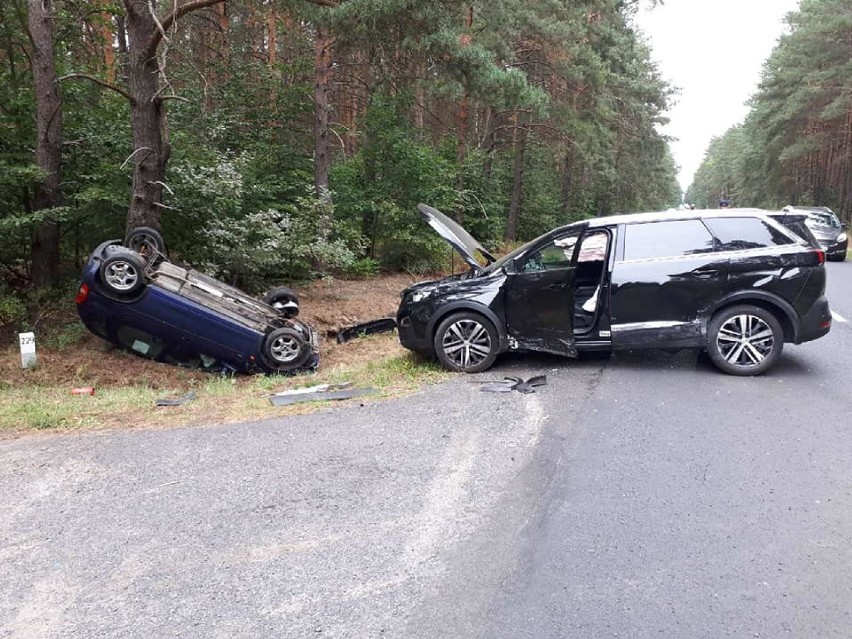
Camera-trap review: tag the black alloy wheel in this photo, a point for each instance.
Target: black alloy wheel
(466, 342)
(285, 350)
(744, 340)
(123, 272)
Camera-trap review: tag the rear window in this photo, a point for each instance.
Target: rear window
(666, 239)
(742, 233)
(825, 219)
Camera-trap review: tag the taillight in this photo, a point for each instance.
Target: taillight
(820, 255)
(82, 293)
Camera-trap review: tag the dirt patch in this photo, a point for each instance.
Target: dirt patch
(327, 305)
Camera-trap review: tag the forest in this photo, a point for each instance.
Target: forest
(795, 145)
(276, 140)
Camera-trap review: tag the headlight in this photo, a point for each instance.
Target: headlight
(420, 295)
(841, 238)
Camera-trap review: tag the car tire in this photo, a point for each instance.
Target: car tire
(744, 340)
(284, 300)
(466, 342)
(123, 272)
(285, 350)
(146, 241)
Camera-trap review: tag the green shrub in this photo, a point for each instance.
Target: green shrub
(13, 311)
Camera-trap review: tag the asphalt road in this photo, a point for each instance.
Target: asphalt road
(647, 495)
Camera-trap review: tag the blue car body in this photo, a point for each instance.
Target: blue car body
(182, 316)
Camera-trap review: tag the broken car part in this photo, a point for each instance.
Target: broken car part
(382, 325)
(319, 388)
(176, 401)
(510, 384)
(321, 396)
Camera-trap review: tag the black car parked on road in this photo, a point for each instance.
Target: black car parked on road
(733, 282)
(827, 229)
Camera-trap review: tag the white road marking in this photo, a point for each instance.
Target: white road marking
(838, 318)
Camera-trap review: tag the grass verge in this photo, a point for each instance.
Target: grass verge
(391, 371)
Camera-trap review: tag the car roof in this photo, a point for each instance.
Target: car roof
(672, 215)
(809, 209)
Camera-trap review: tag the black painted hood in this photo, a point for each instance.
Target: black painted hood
(457, 236)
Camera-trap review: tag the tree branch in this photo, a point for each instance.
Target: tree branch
(179, 12)
(163, 98)
(106, 85)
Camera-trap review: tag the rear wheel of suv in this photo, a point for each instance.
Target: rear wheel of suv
(123, 272)
(284, 350)
(744, 340)
(466, 342)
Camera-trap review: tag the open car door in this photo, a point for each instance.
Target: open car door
(540, 296)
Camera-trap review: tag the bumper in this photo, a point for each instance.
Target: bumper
(837, 251)
(412, 336)
(816, 322)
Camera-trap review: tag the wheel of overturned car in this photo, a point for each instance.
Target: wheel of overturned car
(284, 299)
(285, 349)
(123, 272)
(146, 241)
(466, 342)
(744, 340)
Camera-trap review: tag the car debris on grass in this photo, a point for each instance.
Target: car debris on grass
(372, 327)
(319, 393)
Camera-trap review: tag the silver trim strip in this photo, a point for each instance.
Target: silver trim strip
(640, 326)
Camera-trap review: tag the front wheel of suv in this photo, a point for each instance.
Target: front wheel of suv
(466, 342)
(744, 340)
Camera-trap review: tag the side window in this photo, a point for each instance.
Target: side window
(140, 341)
(593, 248)
(666, 239)
(741, 233)
(554, 255)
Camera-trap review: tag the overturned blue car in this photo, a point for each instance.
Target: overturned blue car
(131, 295)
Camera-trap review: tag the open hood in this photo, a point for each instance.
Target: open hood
(458, 238)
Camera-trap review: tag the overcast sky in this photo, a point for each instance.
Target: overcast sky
(713, 51)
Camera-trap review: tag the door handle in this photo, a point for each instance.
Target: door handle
(707, 272)
(556, 287)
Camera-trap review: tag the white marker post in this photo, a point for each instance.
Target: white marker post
(28, 352)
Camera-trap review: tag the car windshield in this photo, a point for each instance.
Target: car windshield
(825, 219)
(506, 259)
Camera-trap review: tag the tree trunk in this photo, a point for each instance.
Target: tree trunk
(104, 28)
(45, 239)
(147, 119)
(517, 184)
(151, 148)
(322, 80)
(272, 37)
(567, 178)
(463, 118)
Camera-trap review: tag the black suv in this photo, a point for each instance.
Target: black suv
(733, 282)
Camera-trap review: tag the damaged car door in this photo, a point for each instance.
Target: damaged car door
(540, 297)
(666, 278)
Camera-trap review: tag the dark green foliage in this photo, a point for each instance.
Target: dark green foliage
(424, 109)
